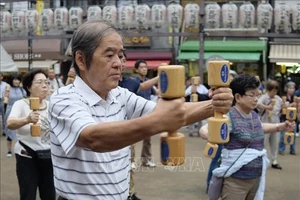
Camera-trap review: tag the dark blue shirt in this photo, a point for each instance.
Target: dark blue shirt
(130, 83)
(145, 93)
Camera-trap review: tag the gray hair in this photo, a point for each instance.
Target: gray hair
(289, 84)
(87, 39)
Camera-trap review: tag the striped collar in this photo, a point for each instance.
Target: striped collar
(91, 96)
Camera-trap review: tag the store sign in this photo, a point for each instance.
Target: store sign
(136, 42)
(35, 56)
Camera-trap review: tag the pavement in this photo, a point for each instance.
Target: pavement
(186, 182)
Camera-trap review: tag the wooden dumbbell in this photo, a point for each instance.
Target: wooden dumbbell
(195, 83)
(6, 95)
(34, 106)
(289, 136)
(283, 101)
(218, 126)
(171, 86)
(70, 80)
(273, 101)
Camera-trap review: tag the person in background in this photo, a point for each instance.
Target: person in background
(71, 76)
(141, 69)
(289, 89)
(134, 86)
(244, 160)
(264, 106)
(54, 82)
(15, 93)
(3, 86)
(202, 93)
(33, 156)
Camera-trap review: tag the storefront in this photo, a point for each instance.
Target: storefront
(45, 53)
(286, 59)
(246, 56)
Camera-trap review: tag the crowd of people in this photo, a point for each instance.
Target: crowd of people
(89, 126)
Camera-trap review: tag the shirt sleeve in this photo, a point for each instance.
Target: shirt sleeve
(137, 106)
(68, 116)
(16, 110)
(188, 91)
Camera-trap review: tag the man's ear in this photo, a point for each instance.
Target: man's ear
(80, 60)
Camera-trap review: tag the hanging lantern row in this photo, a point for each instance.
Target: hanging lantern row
(144, 17)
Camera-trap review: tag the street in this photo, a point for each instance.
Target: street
(186, 182)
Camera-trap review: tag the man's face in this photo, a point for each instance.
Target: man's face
(106, 66)
(142, 69)
(1, 77)
(51, 74)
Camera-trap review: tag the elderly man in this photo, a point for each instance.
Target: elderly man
(93, 121)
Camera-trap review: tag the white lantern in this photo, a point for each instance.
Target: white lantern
(47, 19)
(5, 21)
(31, 20)
(18, 21)
(125, 16)
(94, 12)
(296, 17)
(229, 15)
(158, 15)
(212, 15)
(191, 15)
(282, 18)
(175, 15)
(110, 14)
(142, 16)
(264, 16)
(61, 18)
(75, 17)
(247, 15)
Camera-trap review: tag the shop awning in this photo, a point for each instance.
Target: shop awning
(226, 45)
(43, 49)
(149, 55)
(152, 64)
(284, 53)
(35, 64)
(231, 56)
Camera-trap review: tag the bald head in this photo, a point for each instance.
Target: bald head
(87, 38)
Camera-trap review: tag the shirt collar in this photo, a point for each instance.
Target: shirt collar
(91, 96)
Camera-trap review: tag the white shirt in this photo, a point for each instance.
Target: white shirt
(21, 109)
(81, 173)
(266, 100)
(2, 89)
(201, 89)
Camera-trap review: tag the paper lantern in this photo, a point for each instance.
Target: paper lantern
(142, 16)
(229, 15)
(282, 18)
(158, 15)
(5, 21)
(191, 15)
(61, 18)
(175, 15)
(75, 17)
(110, 14)
(212, 15)
(94, 12)
(18, 21)
(296, 17)
(125, 16)
(47, 19)
(31, 20)
(264, 16)
(247, 15)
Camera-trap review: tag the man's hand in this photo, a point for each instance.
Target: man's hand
(221, 99)
(170, 113)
